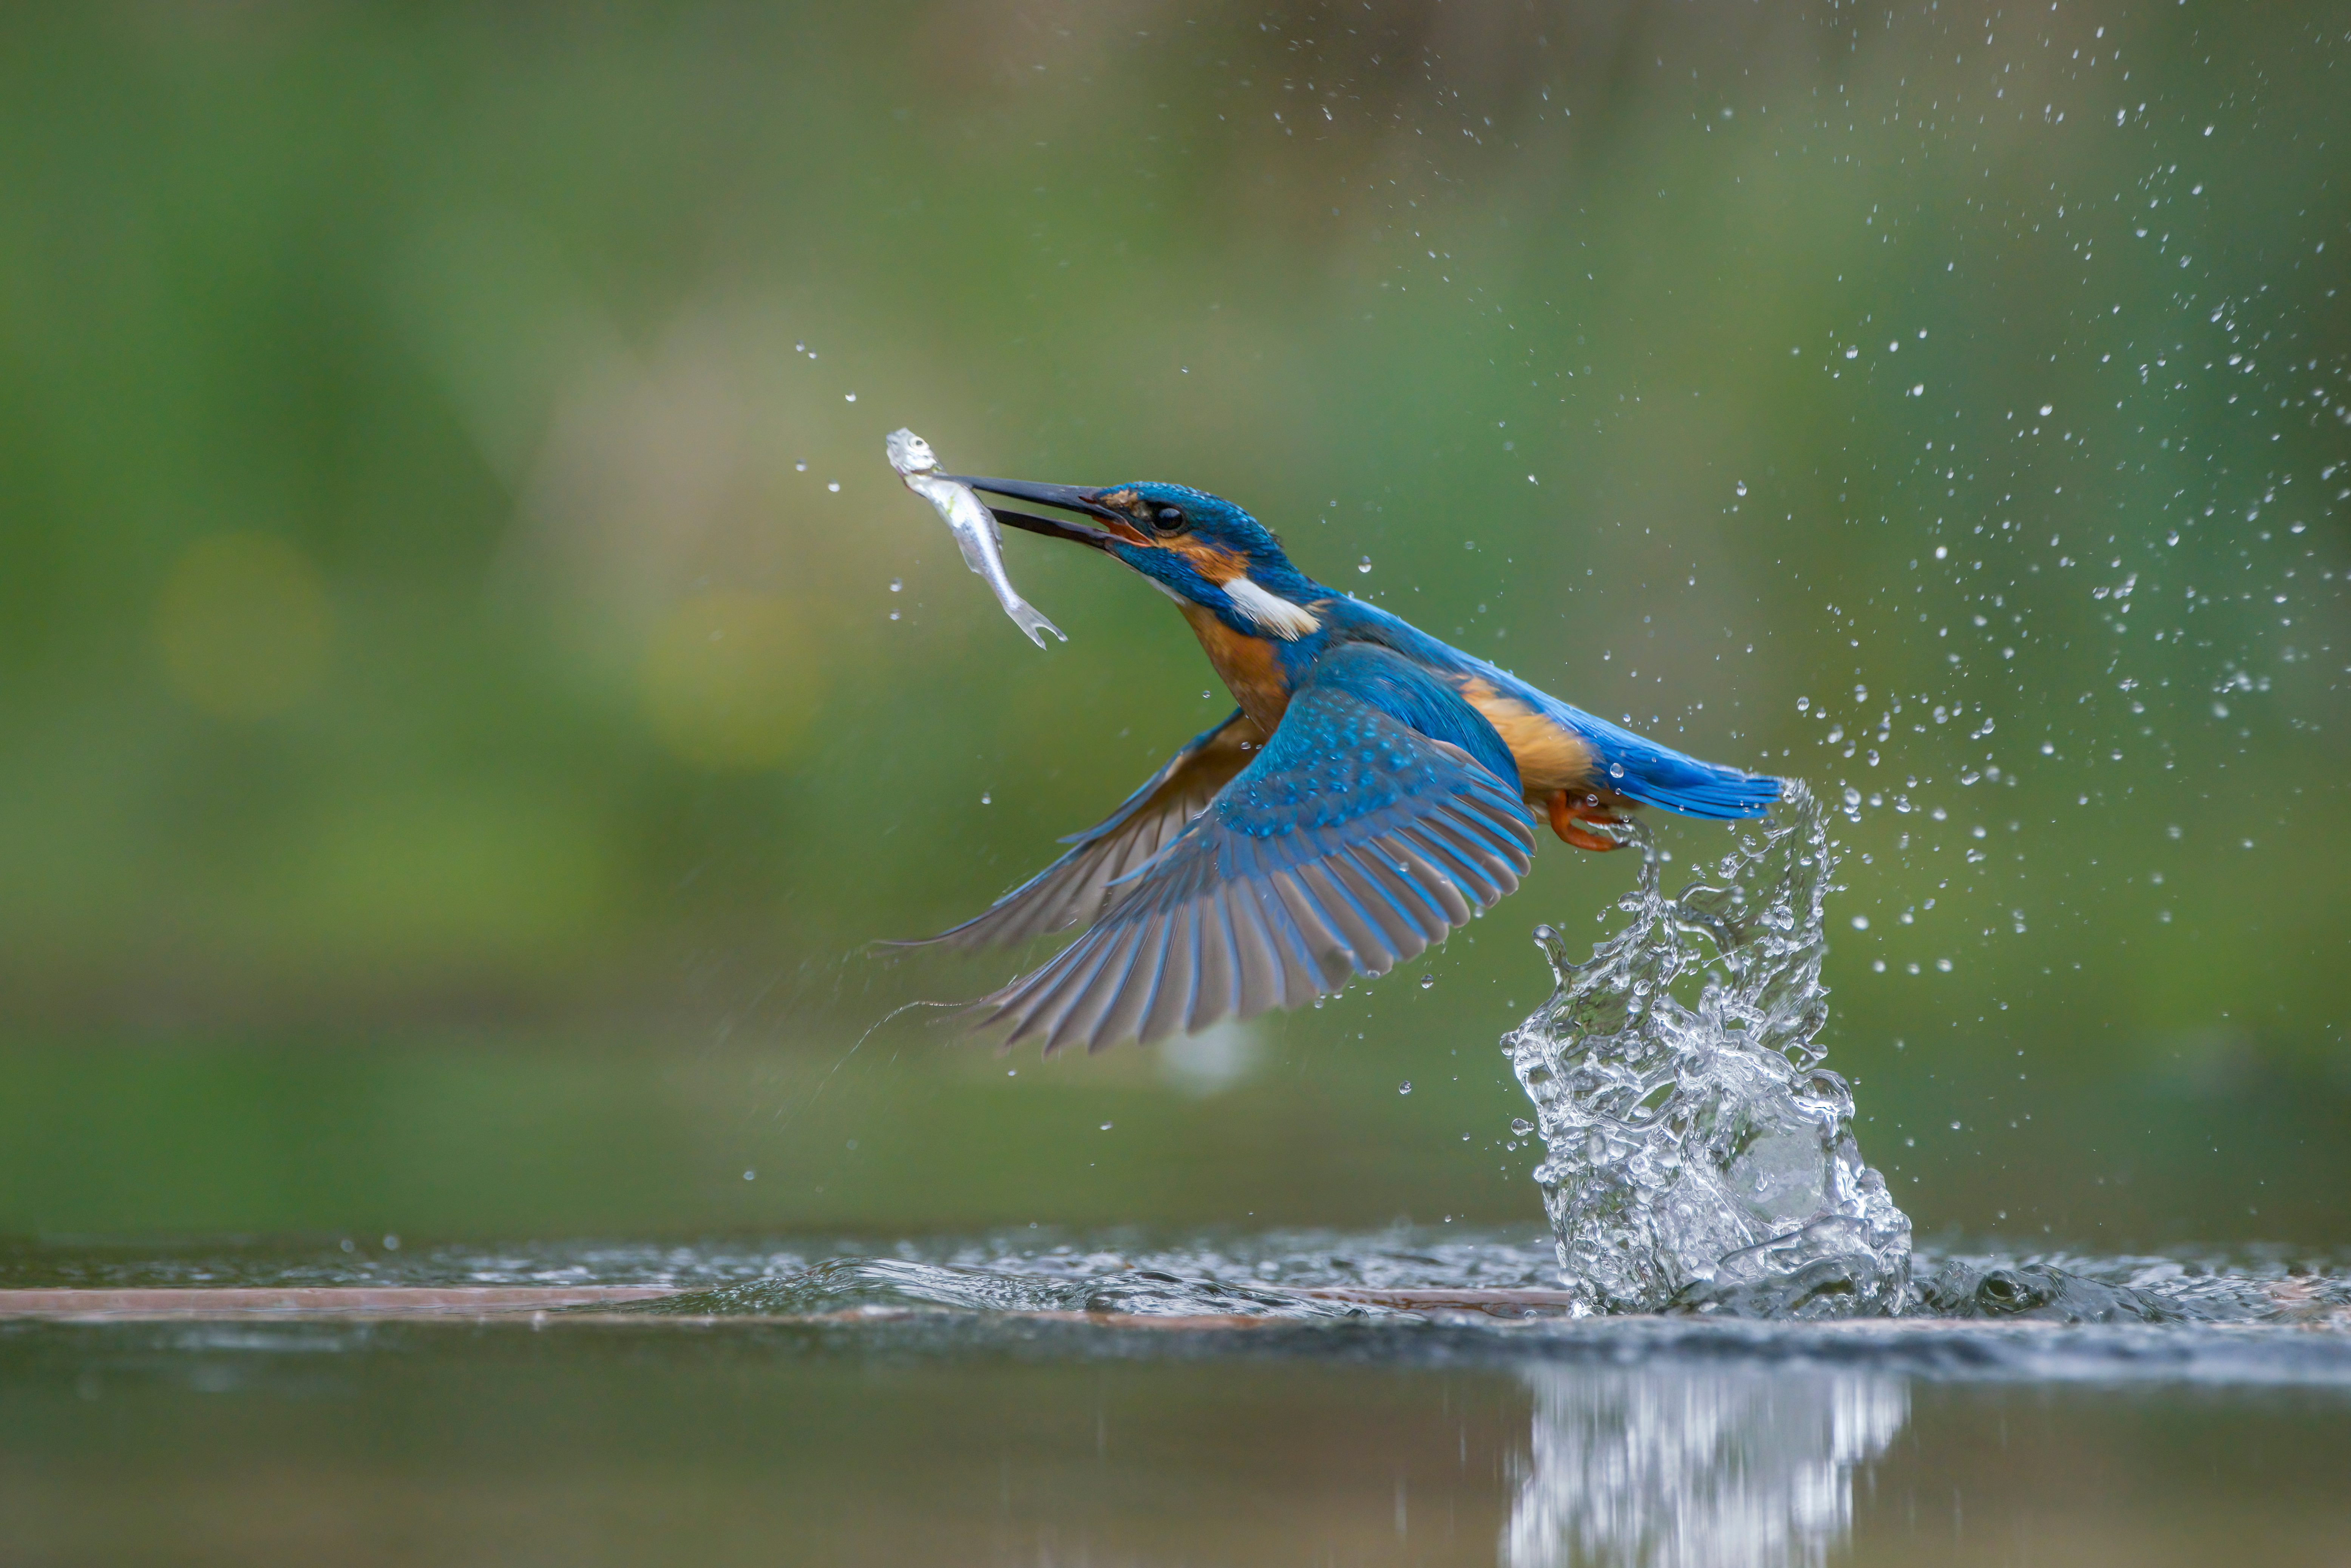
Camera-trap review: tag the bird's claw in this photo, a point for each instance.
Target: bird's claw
(1568, 809)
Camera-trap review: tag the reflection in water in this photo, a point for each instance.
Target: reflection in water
(1695, 1467)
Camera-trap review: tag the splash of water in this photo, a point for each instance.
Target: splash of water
(1699, 1155)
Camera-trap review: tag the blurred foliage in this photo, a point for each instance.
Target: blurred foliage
(450, 577)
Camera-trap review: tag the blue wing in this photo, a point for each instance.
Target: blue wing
(1074, 888)
(1346, 846)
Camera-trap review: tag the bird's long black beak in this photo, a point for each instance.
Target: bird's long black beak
(1071, 498)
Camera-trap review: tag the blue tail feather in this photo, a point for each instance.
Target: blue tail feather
(1641, 769)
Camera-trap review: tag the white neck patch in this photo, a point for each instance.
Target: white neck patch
(1271, 612)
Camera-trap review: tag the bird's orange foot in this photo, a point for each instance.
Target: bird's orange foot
(1568, 809)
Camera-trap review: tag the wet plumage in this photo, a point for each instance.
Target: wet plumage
(1373, 788)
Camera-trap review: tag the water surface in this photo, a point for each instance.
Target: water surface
(854, 1399)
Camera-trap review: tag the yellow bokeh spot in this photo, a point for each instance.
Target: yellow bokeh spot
(243, 625)
(731, 680)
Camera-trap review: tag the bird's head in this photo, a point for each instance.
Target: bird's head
(1198, 549)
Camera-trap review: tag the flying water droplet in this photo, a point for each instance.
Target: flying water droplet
(1520, 1127)
(895, 585)
(1364, 564)
(1426, 981)
(1405, 1087)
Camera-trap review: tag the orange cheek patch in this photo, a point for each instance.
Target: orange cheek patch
(1217, 564)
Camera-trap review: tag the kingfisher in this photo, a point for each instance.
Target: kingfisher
(1372, 788)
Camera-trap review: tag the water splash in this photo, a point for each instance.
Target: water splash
(1699, 1155)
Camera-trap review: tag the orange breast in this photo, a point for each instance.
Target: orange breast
(1247, 665)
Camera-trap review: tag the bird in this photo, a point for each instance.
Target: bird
(1372, 789)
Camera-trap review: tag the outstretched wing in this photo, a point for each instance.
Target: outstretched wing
(1071, 891)
(1349, 844)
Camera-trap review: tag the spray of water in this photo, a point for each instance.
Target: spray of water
(1699, 1156)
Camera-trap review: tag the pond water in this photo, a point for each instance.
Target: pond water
(846, 1399)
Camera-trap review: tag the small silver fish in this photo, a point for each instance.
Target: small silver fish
(974, 524)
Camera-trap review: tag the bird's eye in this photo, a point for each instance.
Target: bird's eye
(1170, 519)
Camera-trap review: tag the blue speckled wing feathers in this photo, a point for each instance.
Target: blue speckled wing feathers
(1348, 844)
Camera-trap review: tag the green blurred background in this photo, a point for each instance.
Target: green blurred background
(471, 690)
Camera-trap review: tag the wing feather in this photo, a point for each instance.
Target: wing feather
(1347, 845)
(1076, 888)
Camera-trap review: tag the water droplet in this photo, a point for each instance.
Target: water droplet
(1955, 1126)
(800, 466)
(895, 585)
(1426, 981)
(1944, 965)
(834, 486)
(1615, 770)
(1861, 923)
(750, 1176)
(1105, 1126)
(392, 1243)
(1522, 1126)
(1364, 564)
(2046, 408)
(1405, 1087)
(985, 799)
(852, 397)
(1740, 486)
